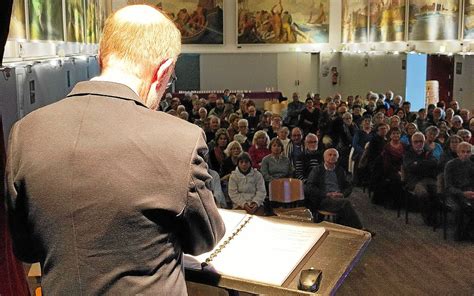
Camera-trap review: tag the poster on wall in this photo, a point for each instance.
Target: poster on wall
(17, 21)
(75, 20)
(282, 21)
(91, 21)
(354, 21)
(433, 20)
(46, 20)
(199, 21)
(102, 14)
(387, 20)
(469, 19)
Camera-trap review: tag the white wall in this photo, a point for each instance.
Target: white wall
(379, 73)
(250, 71)
(286, 72)
(463, 89)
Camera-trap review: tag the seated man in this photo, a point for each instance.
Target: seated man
(459, 183)
(326, 188)
(247, 187)
(310, 158)
(419, 170)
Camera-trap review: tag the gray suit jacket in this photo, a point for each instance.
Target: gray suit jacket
(107, 194)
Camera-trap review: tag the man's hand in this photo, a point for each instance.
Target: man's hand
(251, 208)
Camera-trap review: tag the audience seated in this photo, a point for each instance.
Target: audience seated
(374, 159)
(242, 136)
(410, 129)
(419, 172)
(459, 183)
(283, 133)
(214, 125)
(293, 112)
(295, 147)
(232, 153)
(233, 128)
(247, 187)
(436, 149)
(390, 187)
(361, 137)
(342, 132)
(259, 148)
(216, 154)
(310, 158)
(341, 125)
(275, 125)
(276, 165)
(327, 188)
(309, 116)
(216, 188)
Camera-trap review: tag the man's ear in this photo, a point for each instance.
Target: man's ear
(162, 73)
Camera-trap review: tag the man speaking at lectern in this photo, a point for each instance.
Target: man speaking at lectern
(105, 192)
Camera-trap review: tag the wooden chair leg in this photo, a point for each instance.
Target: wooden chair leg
(445, 221)
(406, 206)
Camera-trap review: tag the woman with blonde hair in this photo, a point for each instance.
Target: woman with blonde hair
(259, 148)
(233, 151)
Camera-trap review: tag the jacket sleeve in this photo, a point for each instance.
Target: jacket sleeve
(312, 191)
(265, 170)
(234, 194)
(25, 246)
(203, 226)
(261, 192)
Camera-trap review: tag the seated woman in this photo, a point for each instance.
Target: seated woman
(216, 154)
(431, 134)
(450, 151)
(392, 157)
(247, 187)
(259, 148)
(276, 165)
(410, 129)
(361, 137)
(233, 151)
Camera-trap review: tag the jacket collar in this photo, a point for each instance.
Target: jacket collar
(106, 89)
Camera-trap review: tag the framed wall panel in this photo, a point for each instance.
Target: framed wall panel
(17, 21)
(282, 21)
(433, 20)
(75, 20)
(46, 20)
(469, 19)
(200, 21)
(354, 21)
(387, 20)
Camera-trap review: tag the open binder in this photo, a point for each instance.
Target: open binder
(261, 249)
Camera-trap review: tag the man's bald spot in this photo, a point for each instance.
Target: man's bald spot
(139, 14)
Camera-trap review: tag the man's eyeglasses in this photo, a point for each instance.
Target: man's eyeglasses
(172, 80)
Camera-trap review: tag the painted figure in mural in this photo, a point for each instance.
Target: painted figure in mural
(277, 10)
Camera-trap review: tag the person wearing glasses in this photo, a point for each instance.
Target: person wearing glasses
(104, 191)
(419, 171)
(311, 157)
(242, 136)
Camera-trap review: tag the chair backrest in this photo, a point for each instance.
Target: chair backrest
(286, 190)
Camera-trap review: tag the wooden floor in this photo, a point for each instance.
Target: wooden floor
(408, 259)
